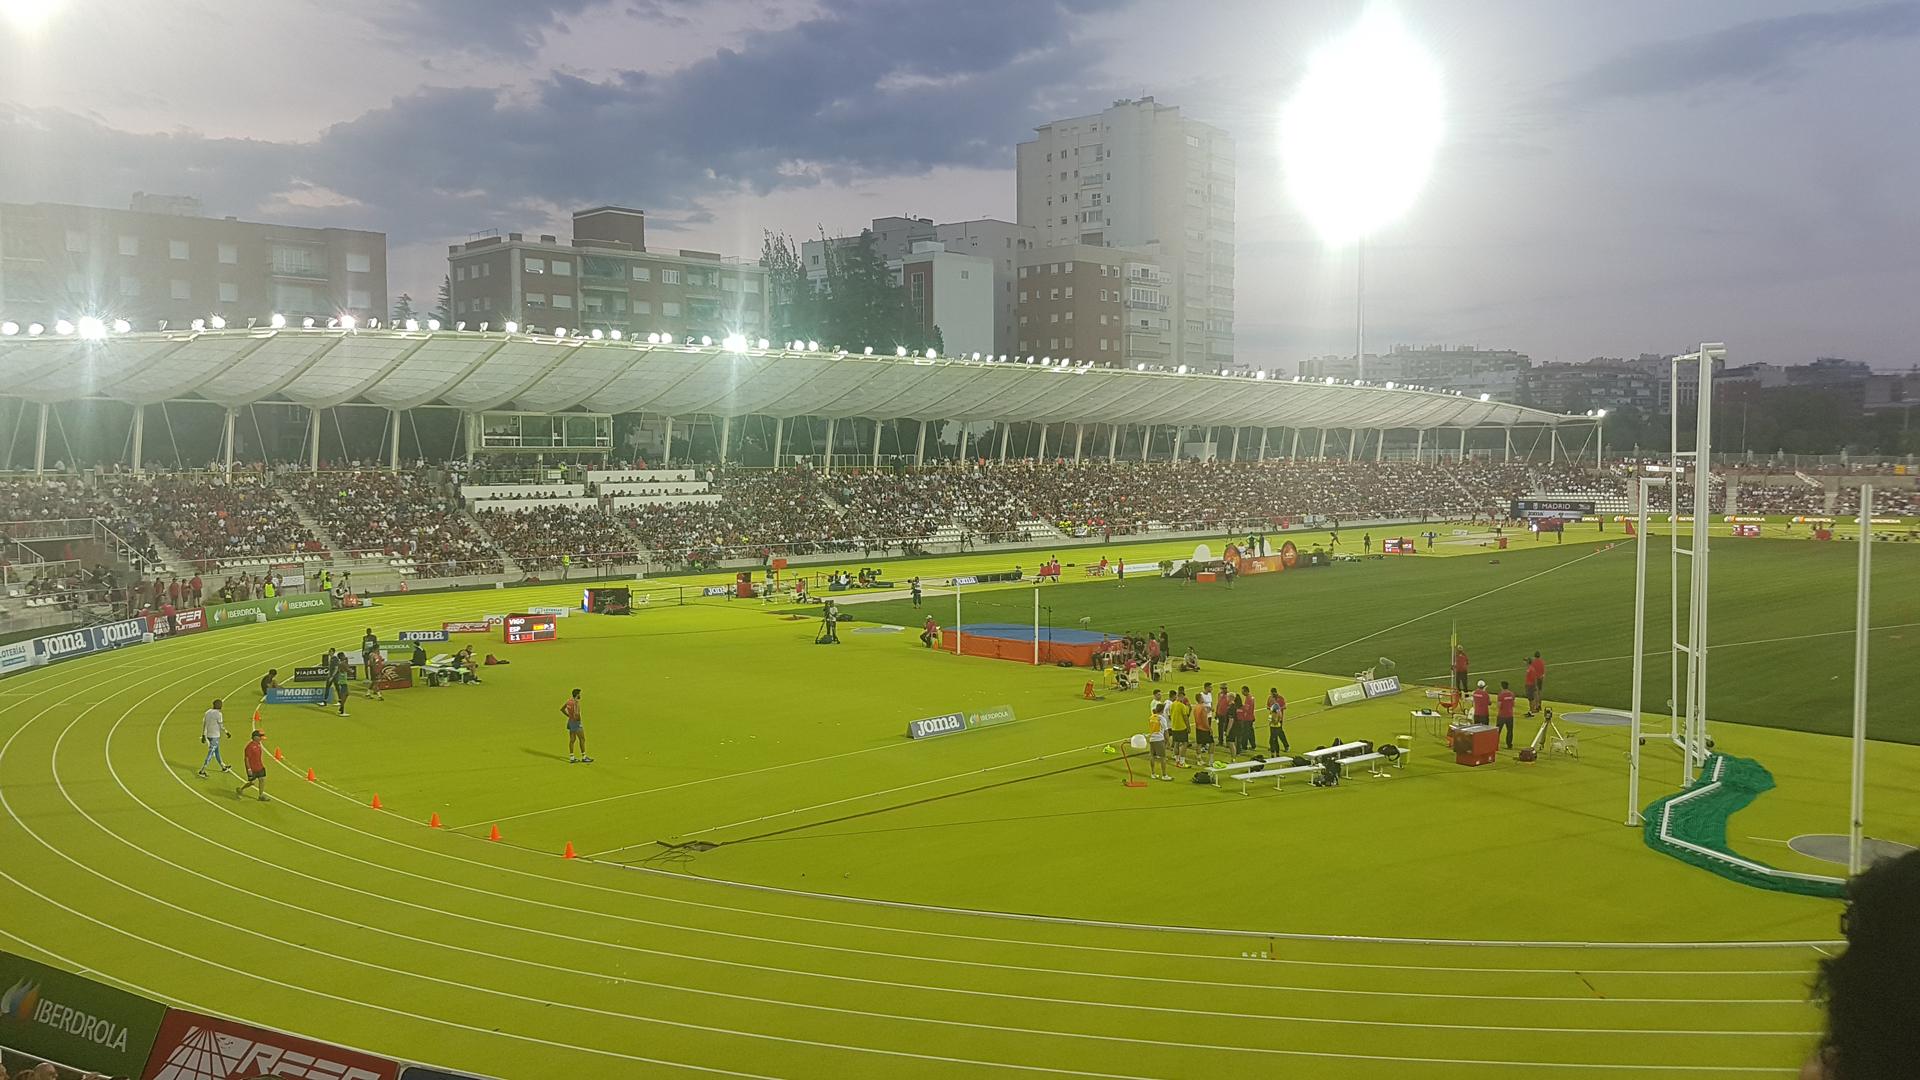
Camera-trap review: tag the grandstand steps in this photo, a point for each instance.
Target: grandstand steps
(314, 528)
(171, 562)
(513, 568)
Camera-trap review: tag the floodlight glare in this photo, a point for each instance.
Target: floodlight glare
(615, 335)
(705, 340)
(306, 323)
(1358, 138)
(900, 350)
(734, 343)
(762, 343)
(63, 328)
(278, 321)
(511, 327)
(348, 322)
(813, 346)
(9, 328)
(92, 329)
(122, 326)
(412, 325)
(1486, 397)
(35, 329)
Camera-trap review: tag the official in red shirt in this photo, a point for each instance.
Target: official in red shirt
(256, 767)
(1460, 669)
(1481, 702)
(1506, 712)
(1536, 683)
(195, 585)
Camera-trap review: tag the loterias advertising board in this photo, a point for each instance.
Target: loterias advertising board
(54, 1014)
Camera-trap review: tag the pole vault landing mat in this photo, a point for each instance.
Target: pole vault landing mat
(1012, 641)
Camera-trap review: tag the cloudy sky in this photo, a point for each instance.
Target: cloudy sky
(1616, 178)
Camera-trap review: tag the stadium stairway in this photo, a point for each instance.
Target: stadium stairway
(313, 527)
(506, 558)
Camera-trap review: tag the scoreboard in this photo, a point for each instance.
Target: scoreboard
(520, 629)
(1565, 509)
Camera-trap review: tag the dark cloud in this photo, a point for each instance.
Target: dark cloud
(503, 26)
(863, 88)
(1759, 52)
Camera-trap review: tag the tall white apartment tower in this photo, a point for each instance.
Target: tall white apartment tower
(1141, 174)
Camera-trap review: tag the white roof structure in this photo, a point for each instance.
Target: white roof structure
(399, 369)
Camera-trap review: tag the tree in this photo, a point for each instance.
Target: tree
(863, 306)
(444, 310)
(795, 305)
(403, 309)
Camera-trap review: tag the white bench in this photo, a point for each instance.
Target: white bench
(1279, 774)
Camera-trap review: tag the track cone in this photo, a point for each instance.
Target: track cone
(1088, 692)
(568, 854)
(376, 801)
(495, 834)
(256, 717)
(434, 821)
(309, 776)
(277, 756)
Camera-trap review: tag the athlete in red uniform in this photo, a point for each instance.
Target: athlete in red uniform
(1481, 701)
(1506, 712)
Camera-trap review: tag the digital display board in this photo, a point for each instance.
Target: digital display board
(520, 629)
(1567, 509)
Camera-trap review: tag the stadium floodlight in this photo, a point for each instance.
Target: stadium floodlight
(434, 325)
(9, 328)
(559, 332)
(616, 335)
(197, 325)
(1261, 374)
(1358, 138)
(63, 327)
(217, 322)
(1139, 367)
(1182, 369)
(511, 327)
(35, 329)
(812, 345)
(373, 324)
(348, 322)
(869, 351)
(734, 343)
(412, 325)
(306, 323)
(899, 350)
(1047, 360)
(932, 353)
(595, 334)
(122, 326)
(762, 343)
(1486, 397)
(705, 340)
(91, 328)
(277, 321)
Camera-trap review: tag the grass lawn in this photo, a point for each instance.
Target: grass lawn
(1185, 930)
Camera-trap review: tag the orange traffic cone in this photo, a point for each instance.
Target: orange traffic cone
(434, 821)
(495, 834)
(376, 801)
(309, 776)
(568, 854)
(256, 717)
(277, 756)
(1087, 693)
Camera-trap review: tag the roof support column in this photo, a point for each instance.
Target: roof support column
(1323, 444)
(1006, 433)
(920, 446)
(779, 436)
(1146, 440)
(666, 452)
(1113, 443)
(1042, 455)
(963, 442)
(1294, 454)
(40, 442)
(313, 441)
(877, 423)
(1380, 451)
(1420, 445)
(393, 451)
(726, 437)
(1509, 433)
(1236, 444)
(1079, 438)
(1553, 444)
(139, 436)
(232, 414)
(829, 458)
(1463, 444)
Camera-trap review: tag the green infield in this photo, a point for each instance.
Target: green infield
(774, 881)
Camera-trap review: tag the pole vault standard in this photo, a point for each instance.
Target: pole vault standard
(1641, 542)
(1863, 592)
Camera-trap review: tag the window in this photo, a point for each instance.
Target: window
(129, 245)
(1053, 343)
(1103, 319)
(1069, 343)
(459, 307)
(76, 240)
(534, 266)
(562, 268)
(562, 300)
(1069, 267)
(964, 275)
(670, 309)
(180, 289)
(296, 260)
(1053, 317)
(599, 266)
(1103, 298)
(359, 299)
(229, 292)
(729, 284)
(537, 300)
(229, 254)
(1023, 271)
(750, 286)
(1056, 293)
(1103, 344)
(486, 303)
(1069, 292)
(359, 262)
(1063, 219)
(1023, 296)
(669, 277)
(129, 286)
(459, 273)
(1023, 320)
(176, 249)
(1069, 315)
(485, 269)
(643, 307)
(643, 273)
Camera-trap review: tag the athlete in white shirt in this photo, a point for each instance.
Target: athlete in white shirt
(213, 727)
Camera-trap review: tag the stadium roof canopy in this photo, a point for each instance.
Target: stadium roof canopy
(474, 372)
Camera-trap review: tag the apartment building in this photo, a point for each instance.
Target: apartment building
(1091, 303)
(1003, 242)
(1141, 175)
(163, 260)
(605, 279)
(951, 291)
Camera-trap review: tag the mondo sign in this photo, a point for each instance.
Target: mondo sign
(520, 629)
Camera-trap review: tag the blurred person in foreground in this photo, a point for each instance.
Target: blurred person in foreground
(1870, 991)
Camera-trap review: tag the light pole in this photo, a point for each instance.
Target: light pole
(1358, 139)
